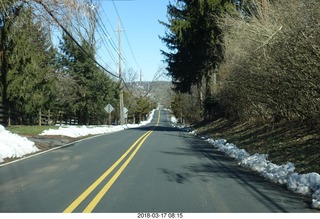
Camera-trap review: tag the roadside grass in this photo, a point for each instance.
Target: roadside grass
(29, 130)
(297, 142)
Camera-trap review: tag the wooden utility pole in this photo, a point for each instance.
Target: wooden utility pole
(140, 83)
(120, 76)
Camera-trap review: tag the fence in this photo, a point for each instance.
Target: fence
(8, 118)
(58, 118)
(43, 118)
(3, 115)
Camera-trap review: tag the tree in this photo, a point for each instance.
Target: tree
(271, 71)
(194, 40)
(27, 62)
(9, 13)
(92, 88)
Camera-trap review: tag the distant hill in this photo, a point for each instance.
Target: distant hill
(160, 91)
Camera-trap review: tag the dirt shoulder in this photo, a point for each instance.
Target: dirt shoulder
(48, 142)
(297, 142)
(44, 143)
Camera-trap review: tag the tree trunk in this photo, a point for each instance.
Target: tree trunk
(201, 99)
(4, 69)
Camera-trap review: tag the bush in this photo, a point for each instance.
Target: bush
(271, 69)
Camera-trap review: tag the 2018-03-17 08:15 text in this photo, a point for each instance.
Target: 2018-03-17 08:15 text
(159, 215)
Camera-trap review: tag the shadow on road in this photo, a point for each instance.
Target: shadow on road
(215, 166)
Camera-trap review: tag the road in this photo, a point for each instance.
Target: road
(154, 168)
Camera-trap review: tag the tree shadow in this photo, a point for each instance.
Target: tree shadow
(215, 166)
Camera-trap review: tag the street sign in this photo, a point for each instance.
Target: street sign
(125, 110)
(109, 108)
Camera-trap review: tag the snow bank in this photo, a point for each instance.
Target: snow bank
(13, 145)
(174, 119)
(80, 131)
(150, 117)
(283, 174)
(229, 149)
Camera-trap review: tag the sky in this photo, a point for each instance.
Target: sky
(140, 31)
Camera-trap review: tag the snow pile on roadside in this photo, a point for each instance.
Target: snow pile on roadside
(283, 174)
(150, 117)
(307, 184)
(174, 119)
(13, 145)
(80, 131)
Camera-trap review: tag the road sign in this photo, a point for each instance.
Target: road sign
(125, 110)
(109, 108)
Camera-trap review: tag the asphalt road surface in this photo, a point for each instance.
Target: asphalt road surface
(154, 168)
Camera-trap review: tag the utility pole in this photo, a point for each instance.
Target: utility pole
(120, 77)
(140, 83)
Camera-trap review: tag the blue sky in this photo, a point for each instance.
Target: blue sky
(139, 19)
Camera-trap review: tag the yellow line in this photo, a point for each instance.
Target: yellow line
(105, 189)
(95, 201)
(77, 202)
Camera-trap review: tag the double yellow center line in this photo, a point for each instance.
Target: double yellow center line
(107, 186)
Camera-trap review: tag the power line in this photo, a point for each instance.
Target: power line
(102, 36)
(73, 39)
(126, 36)
(105, 31)
(77, 43)
(107, 34)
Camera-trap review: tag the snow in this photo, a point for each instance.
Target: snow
(15, 146)
(173, 119)
(306, 184)
(79, 131)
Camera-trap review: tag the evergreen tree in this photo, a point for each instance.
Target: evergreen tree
(92, 89)
(30, 66)
(193, 40)
(8, 14)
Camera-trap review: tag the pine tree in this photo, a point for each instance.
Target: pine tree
(8, 14)
(30, 66)
(93, 89)
(194, 40)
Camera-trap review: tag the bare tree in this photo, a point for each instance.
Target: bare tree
(271, 69)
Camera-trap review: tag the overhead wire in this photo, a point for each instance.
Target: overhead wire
(105, 31)
(126, 36)
(74, 40)
(107, 35)
(106, 45)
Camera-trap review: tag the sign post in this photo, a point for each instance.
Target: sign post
(125, 112)
(109, 108)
